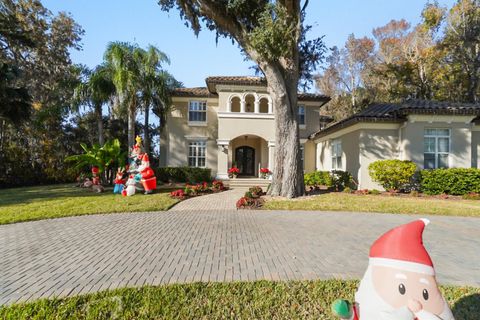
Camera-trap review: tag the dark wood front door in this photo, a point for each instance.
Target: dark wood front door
(245, 160)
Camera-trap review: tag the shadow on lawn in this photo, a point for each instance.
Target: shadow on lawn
(467, 308)
(50, 192)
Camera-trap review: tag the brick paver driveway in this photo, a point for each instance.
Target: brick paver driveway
(84, 254)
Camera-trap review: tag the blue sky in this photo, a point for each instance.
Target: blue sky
(192, 58)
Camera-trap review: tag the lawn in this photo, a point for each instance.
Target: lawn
(44, 202)
(238, 300)
(337, 201)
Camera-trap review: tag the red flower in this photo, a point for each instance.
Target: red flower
(234, 170)
(265, 171)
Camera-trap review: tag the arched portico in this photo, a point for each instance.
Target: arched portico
(247, 152)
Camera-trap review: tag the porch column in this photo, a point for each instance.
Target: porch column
(229, 106)
(222, 164)
(243, 103)
(271, 156)
(257, 106)
(270, 106)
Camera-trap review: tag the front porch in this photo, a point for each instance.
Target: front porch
(249, 153)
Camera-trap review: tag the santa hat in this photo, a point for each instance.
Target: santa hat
(145, 158)
(402, 248)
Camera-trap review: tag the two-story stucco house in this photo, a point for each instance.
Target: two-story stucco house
(431, 134)
(231, 122)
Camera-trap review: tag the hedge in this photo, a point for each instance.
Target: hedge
(183, 174)
(392, 174)
(337, 179)
(454, 181)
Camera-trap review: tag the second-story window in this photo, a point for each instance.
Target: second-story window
(301, 115)
(197, 111)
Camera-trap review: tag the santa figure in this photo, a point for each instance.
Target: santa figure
(399, 283)
(147, 175)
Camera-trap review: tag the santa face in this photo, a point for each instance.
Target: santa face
(396, 294)
(403, 287)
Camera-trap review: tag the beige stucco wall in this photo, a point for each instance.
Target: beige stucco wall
(375, 145)
(309, 156)
(475, 148)
(360, 147)
(365, 143)
(223, 129)
(350, 153)
(460, 139)
(178, 133)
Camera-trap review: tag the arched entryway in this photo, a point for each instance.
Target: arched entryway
(245, 160)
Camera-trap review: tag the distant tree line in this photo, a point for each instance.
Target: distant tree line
(437, 59)
(48, 105)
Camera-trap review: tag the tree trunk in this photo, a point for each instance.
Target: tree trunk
(146, 129)
(131, 124)
(287, 180)
(99, 116)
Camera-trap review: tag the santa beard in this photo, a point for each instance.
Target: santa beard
(373, 307)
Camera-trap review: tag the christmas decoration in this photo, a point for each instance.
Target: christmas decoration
(147, 175)
(119, 181)
(265, 173)
(399, 283)
(130, 187)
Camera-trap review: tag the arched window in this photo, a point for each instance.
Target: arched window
(264, 105)
(250, 103)
(235, 102)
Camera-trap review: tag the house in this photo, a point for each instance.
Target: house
(431, 134)
(231, 122)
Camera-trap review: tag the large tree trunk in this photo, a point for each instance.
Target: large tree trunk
(288, 170)
(99, 116)
(146, 129)
(131, 124)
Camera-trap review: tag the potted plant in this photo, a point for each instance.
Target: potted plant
(233, 172)
(265, 173)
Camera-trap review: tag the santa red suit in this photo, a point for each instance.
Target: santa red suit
(148, 179)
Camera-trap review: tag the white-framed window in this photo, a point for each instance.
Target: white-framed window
(436, 148)
(197, 112)
(197, 154)
(301, 116)
(336, 149)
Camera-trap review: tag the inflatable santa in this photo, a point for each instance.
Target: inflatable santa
(399, 283)
(147, 175)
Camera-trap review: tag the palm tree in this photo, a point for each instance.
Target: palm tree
(119, 57)
(95, 92)
(153, 90)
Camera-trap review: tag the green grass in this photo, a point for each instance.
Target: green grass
(239, 300)
(375, 203)
(54, 201)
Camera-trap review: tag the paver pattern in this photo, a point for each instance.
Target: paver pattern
(77, 255)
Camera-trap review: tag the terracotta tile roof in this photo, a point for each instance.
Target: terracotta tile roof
(397, 112)
(211, 90)
(238, 80)
(201, 92)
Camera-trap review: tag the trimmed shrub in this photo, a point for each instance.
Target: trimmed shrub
(392, 174)
(183, 174)
(453, 181)
(337, 179)
(341, 180)
(317, 179)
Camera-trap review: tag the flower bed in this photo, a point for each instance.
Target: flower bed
(252, 199)
(198, 190)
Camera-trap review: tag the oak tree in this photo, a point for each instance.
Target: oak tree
(273, 35)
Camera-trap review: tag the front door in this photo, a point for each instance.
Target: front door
(245, 160)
